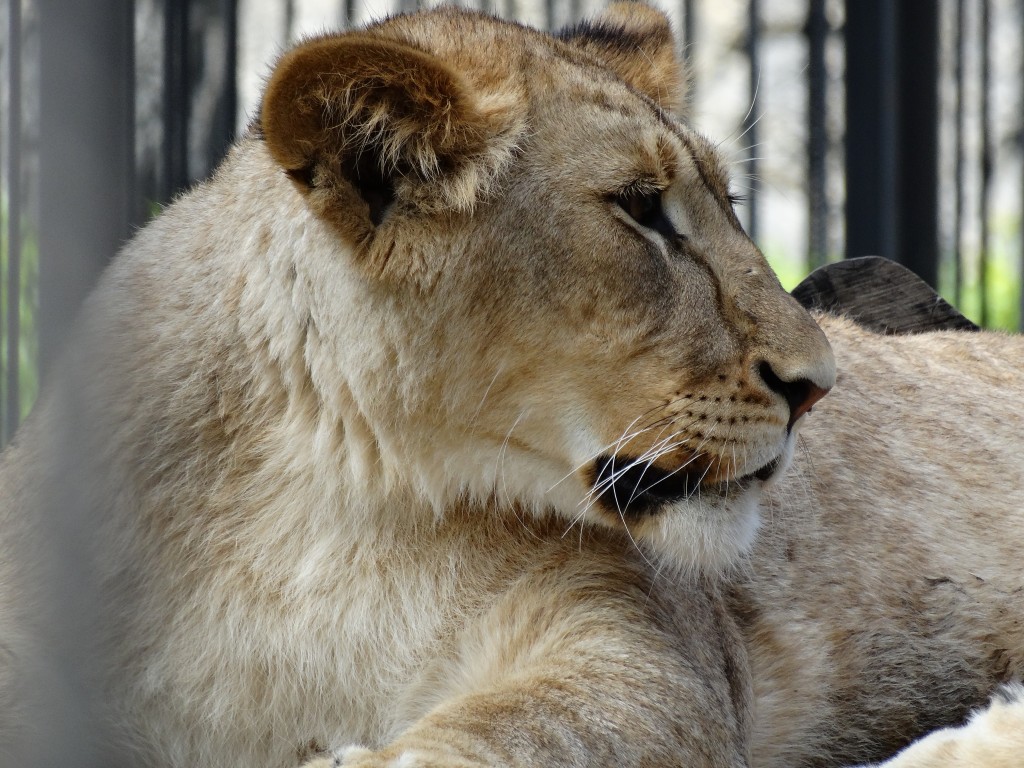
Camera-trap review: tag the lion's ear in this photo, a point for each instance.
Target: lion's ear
(636, 42)
(359, 121)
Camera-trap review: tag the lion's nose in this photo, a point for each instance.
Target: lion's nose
(801, 394)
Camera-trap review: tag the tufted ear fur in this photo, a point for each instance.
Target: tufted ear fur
(363, 124)
(636, 42)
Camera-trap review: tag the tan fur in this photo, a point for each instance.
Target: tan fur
(329, 432)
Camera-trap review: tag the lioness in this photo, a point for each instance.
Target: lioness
(442, 420)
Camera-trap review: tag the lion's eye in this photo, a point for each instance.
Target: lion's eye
(643, 207)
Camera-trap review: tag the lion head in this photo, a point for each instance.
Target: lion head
(530, 284)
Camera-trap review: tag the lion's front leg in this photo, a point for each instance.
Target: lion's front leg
(359, 757)
(559, 722)
(607, 681)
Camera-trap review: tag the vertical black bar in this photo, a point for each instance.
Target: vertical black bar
(87, 153)
(817, 137)
(289, 19)
(86, 200)
(753, 113)
(348, 13)
(689, 27)
(960, 41)
(222, 129)
(870, 128)
(177, 103)
(918, 179)
(689, 35)
(986, 160)
(12, 399)
(230, 69)
(3, 234)
(1021, 147)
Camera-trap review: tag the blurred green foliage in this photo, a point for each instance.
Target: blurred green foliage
(28, 338)
(1002, 284)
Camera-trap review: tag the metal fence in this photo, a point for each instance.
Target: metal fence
(857, 127)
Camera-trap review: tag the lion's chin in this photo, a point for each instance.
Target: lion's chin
(685, 522)
(709, 534)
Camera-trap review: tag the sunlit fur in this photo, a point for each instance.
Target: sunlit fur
(323, 443)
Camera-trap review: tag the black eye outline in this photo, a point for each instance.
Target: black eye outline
(736, 198)
(644, 206)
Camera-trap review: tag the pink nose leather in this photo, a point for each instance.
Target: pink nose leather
(812, 394)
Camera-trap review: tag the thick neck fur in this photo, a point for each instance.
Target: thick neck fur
(298, 386)
(285, 472)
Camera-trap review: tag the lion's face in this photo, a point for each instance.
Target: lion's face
(585, 325)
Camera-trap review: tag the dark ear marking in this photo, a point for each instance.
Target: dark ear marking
(303, 175)
(635, 41)
(612, 37)
(375, 186)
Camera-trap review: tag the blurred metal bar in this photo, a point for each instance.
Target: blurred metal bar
(289, 19)
(871, 128)
(177, 98)
(817, 31)
(222, 130)
(12, 399)
(753, 113)
(348, 13)
(984, 203)
(960, 43)
(86, 172)
(689, 35)
(230, 106)
(918, 166)
(3, 234)
(87, 153)
(892, 132)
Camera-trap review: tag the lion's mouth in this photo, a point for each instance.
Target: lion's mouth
(631, 487)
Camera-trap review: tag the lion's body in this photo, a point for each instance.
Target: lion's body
(887, 592)
(344, 443)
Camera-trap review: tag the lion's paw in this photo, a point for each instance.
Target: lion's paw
(360, 757)
(344, 758)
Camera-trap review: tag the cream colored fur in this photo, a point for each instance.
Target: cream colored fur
(327, 436)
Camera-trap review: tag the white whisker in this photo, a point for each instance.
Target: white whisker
(500, 470)
(487, 391)
(600, 451)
